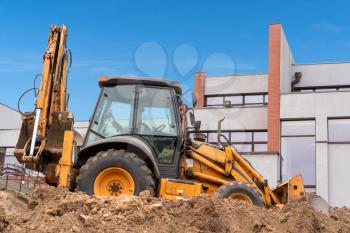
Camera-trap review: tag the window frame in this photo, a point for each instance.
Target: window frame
(299, 136)
(297, 120)
(136, 112)
(178, 136)
(243, 96)
(90, 129)
(329, 88)
(252, 142)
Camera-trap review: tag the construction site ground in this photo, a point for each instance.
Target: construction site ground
(56, 210)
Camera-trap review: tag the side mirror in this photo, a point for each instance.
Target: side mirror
(197, 125)
(192, 119)
(194, 99)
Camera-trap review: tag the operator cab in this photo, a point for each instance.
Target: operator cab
(144, 108)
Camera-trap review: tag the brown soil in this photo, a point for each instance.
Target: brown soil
(56, 210)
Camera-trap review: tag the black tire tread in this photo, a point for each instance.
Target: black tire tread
(132, 156)
(227, 189)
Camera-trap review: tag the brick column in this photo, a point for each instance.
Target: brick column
(274, 90)
(199, 85)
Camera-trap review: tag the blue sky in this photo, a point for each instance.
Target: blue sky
(172, 39)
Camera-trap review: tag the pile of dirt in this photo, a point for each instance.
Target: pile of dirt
(56, 210)
(11, 205)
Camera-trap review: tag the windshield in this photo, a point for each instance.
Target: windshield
(114, 113)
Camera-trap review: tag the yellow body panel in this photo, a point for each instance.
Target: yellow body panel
(170, 189)
(211, 153)
(63, 168)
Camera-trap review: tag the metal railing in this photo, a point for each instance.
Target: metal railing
(18, 178)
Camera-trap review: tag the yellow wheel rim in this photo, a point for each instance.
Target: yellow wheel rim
(114, 182)
(241, 197)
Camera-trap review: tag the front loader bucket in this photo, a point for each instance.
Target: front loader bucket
(291, 191)
(318, 203)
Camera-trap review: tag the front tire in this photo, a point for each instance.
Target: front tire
(114, 173)
(241, 191)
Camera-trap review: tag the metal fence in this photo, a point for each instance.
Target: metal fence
(18, 178)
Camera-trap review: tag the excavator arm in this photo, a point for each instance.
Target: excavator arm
(47, 134)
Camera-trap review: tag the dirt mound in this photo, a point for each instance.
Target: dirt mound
(11, 205)
(56, 210)
(3, 220)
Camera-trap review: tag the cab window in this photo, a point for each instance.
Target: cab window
(114, 113)
(156, 121)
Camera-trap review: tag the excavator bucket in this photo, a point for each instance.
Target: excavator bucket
(22, 146)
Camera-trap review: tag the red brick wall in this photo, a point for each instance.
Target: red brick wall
(199, 85)
(274, 88)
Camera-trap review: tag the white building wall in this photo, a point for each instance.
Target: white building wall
(286, 60)
(315, 104)
(81, 127)
(235, 84)
(237, 118)
(10, 124)
(323, 74)
(339, 160)
(10, 118)
(267, 165)
(9, 137)
(331, 173)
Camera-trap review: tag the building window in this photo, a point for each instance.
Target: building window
(254, 99)
(339, 130)
(298, 151)
(243, 141)
(237, 100)
(292, 128)
(214, 101)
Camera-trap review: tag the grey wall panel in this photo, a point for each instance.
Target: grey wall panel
(9, 138)
(286, 61)
(267, 165)
(323, 74)
(339, 186)
(9, 118)
(236, 84)
(239, 118)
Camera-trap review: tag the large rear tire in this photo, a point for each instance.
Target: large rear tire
(114, 173)
(241, 191)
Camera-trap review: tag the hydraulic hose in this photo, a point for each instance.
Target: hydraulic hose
(35, 89)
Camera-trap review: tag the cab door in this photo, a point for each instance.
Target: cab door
(157, 122)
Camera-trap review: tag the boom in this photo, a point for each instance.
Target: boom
(42, 133)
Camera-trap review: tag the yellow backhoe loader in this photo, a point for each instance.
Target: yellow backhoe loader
(137, 140)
